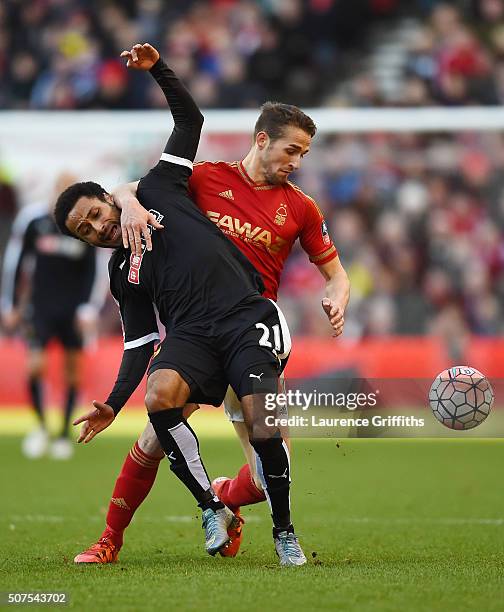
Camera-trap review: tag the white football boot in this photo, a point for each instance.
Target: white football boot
(35, 443)
(61, 449)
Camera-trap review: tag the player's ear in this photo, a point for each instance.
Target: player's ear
(262, 140)
(109, 199)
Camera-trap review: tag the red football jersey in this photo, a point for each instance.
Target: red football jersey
(262, 220)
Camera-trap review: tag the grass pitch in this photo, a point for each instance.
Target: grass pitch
(386, 524)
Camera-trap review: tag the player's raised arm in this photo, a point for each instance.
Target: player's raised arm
(181, 146)
(186, 114)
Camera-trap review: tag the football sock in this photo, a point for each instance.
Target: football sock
(131, 488)
(35, 389)
(273, 464)
(181, 446)
(289, 529)
(241, 490)
(69, 406)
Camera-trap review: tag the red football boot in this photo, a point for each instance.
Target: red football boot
(104, 551)
(235, 528)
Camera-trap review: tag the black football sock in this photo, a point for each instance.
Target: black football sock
(181, 446)
(69, 406)
(277, 530)
(35, 389)
(274, 463)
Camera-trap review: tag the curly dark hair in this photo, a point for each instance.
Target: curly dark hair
(68, 198)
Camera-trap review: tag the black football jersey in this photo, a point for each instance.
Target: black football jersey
(194, 275)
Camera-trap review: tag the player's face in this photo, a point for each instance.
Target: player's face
(96, 222)
(282, 156)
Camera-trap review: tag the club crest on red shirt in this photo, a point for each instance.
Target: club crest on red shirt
(281, 214)
(325, 233)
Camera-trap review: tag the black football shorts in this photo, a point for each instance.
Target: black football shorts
(247, 349)
(41, 327)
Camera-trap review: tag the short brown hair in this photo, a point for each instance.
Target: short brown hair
(275, 117)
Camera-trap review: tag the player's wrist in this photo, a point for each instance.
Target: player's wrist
(123, 197)
(158, 65)
(115, 405)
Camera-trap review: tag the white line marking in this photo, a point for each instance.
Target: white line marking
(427, 521)
(48, 518)
(168, 518)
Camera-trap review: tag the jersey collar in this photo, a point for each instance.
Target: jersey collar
(249, 181)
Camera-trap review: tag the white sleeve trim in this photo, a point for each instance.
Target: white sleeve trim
(141, 341)
(173, 159)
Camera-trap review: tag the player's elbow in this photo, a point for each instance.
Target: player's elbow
(199, 120)
(195, 119)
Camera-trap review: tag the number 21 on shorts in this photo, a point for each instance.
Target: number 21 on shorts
(264, 340)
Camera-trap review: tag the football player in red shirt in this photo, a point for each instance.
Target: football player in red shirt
(263, 213)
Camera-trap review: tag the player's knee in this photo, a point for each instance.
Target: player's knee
(159, 397)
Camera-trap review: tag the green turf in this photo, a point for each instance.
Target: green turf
(386, 524)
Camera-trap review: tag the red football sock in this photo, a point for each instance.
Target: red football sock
(131, 488)
(241, 490)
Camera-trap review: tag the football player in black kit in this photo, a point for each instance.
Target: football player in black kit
(62, 283)
(220, 330)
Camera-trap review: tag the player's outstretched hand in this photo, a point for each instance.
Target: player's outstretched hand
(95, 421)
(335, 315)
(141, 57)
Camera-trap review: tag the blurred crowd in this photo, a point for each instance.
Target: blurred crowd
(453, 57)
(63, 54)
(457, 61)
(419, 224)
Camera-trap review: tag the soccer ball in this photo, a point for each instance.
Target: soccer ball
(461, 397)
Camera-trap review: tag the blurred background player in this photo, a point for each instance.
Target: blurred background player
(49, 288)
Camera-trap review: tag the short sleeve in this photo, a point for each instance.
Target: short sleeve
(314, 236)
(197, 178)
